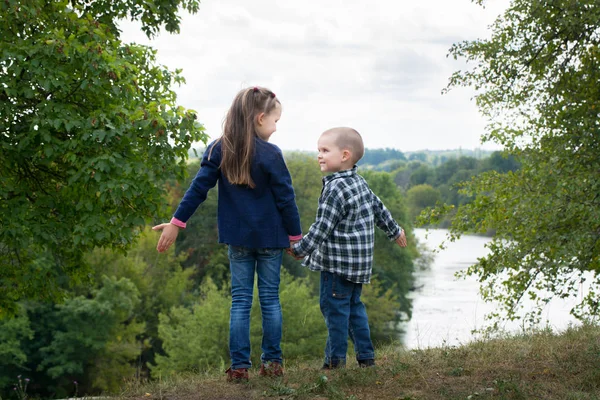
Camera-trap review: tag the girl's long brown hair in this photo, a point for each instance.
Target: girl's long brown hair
(237, 141)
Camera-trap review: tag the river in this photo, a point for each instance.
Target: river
(446, 309)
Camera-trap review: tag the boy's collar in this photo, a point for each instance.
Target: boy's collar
(340, 174)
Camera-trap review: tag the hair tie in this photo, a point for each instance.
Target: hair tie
(255, 89)
(272, 95)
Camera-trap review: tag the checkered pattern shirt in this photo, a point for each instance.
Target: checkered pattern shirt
(342, 238)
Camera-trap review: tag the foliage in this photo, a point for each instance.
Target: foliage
(83, 339)
(195, 339)
(304, 330)
(89, 130)
(422, 175)
(420, 197)
(383, 312)
(13, 333)
(88, 325)
(151, 14)
(393, 266)
(538, 82)
(90, 339)
(435, 158)
(445, 178)
(161, 281)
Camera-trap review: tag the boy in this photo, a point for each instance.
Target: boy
(340, 245)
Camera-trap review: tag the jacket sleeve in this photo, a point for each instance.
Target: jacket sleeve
(205, 179)
(384, 219)
(281, 186)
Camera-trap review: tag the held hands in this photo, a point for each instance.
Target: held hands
(401, 240)
(291, 252)
(168, 236)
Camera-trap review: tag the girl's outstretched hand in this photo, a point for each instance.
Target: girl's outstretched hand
(401, 240)
(168, 236)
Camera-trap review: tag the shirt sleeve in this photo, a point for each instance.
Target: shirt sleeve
(205, 179)
(384, 219)
(330, 211)
(283, 192)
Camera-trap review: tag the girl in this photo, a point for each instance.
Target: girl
(257, 218)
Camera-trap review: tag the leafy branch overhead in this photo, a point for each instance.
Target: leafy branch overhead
(538, 81)
(89, 131)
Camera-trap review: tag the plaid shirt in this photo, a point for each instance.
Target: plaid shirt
(342, 238)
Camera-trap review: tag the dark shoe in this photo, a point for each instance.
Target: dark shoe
(332, 366)
(271, 368)
(366, 363)
(237, 375)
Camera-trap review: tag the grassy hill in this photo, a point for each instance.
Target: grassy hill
(543, 365)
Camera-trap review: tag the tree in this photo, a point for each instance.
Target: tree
(162, 283)
(89, 131)
(378, 156)
(89, 339)
(421, 196)
(538, 81)
(13, 333)
(393, 266)
(500, 162)
(422, 175)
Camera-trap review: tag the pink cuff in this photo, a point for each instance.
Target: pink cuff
(178, 223)
(297, 237)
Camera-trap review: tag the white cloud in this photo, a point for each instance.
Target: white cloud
(378, 66)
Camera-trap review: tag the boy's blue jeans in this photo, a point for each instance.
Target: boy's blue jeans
(345, 315)
(244, 263)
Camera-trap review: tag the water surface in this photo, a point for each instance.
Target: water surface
(447, 309)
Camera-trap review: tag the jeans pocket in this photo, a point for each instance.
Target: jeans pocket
(271, 251)
(237, 252)
(341, 288)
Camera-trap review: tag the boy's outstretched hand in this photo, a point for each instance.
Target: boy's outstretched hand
(401, 240)
(168, 236)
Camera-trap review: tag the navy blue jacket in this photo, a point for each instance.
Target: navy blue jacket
(263, 217)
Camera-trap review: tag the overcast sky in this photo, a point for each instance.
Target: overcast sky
(378, 66)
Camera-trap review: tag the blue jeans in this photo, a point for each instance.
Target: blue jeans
(345, 315)
(243, 263)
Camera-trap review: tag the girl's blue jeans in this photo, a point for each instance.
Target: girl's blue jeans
(244, 263)
(345, 315)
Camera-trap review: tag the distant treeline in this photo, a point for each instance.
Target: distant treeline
(425, 184)
(384, 159)
(427, 177)
(389, 159)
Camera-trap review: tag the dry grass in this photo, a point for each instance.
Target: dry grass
(543, 365)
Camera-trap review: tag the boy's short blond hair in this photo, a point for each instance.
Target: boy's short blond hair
(348, 139)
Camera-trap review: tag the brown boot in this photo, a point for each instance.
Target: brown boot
(237, 375)
(271, 368)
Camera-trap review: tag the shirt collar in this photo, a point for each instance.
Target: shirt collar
(340, 174)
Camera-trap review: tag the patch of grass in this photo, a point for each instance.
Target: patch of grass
(540, 365)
